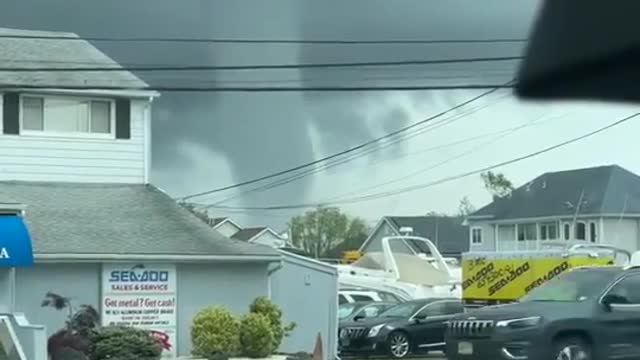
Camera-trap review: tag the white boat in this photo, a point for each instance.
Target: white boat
(409, 276)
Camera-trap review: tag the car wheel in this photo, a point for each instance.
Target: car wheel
(399, 345)
(571, 348)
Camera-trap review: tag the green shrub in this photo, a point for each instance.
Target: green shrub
(272, 312)
(124, 343)
(215, 332)
(256, 336)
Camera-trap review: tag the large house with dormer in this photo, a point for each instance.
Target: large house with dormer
(592, 205)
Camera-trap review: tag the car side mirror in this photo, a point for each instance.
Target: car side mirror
(419, 318)
(612, 299)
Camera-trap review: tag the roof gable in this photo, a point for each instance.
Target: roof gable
(38, 53)
(217, 222)
(248, 234)
(446, 232)
(117, 219)
(604, 190)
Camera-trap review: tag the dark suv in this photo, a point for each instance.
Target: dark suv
(583, 314)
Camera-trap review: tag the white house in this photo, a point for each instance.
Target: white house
(55, 134)
(225, 226)
(594, 205)
(74, 166)
(260, 235)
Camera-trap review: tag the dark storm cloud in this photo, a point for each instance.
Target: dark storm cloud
(256, 132)
(341, 120)
(262, 133)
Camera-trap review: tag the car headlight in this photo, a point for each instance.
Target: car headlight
(374, 331)
(519, 323)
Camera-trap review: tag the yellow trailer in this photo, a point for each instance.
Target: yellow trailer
(501, 277)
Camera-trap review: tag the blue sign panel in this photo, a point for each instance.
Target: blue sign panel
(15, 242)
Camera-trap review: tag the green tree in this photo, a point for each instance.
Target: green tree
(465, 207)
(497, 184)
(317, 231)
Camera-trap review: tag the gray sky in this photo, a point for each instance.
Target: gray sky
(224, 138)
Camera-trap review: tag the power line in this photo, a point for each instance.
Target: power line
(260, 66)
(501, 135)
(199, 79)
(437, 182)
(264, 41)
(341, 153)
(350, 158)
(261, 88)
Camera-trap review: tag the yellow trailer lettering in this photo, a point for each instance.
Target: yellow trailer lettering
(498, 277)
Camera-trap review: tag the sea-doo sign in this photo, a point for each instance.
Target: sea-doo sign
(142, 296)
(139, 277)
(15, 242)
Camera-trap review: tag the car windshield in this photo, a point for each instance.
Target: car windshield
(389, 297)
(345, 310)
(576, 285)
(372, 310)
(400, 311)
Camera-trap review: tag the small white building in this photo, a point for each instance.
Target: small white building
(74, 167)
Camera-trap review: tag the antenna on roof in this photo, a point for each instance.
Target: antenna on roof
(529, 185)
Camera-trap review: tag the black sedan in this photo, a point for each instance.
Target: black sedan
(411, 327)
(361, 310)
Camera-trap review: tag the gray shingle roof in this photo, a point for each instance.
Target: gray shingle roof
(447, 232)
(36, 53)
(248, 233)
(606, 189)
(117, 219)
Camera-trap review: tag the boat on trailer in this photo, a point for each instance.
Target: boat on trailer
(406, 275)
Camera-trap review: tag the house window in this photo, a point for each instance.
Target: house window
(526, 232)
(67, 115)
(593, 232)
(476, 235)
(567, 232)
(548, 231)
(581, 231)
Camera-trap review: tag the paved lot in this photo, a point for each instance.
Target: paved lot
(420, 357)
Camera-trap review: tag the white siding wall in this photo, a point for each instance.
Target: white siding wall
(227, 229)
(506, 240)
(41, 158)
(488, 237)
(622, 233)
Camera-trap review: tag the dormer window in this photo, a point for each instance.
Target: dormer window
(52, 115)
